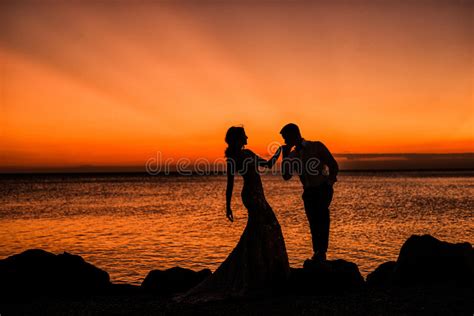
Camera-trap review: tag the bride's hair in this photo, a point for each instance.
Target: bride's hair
(233, 138)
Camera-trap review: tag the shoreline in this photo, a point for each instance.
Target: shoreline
(429, 277)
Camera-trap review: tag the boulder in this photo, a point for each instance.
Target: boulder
(381, 277)
(123, 289)
(326, 277)
(38, 272)
(427, 261)
(174, 280)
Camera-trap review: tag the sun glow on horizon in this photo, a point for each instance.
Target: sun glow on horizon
(113, 83)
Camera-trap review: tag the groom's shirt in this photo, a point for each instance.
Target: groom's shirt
(314, 164)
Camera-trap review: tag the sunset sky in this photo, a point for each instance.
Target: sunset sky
(112, 82)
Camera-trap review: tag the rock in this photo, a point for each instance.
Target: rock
(382, 276)
(427, 261)
(38, 272)
(123, 289)
(325, 277)
(174, 280)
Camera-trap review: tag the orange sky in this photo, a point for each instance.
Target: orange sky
(112, 82)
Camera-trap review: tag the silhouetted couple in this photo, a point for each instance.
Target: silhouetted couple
(259, 262)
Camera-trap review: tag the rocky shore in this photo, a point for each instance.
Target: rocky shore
(429, 277)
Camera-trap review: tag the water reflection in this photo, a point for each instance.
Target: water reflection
(129, 225)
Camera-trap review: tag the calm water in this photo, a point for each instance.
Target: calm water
(129, 225)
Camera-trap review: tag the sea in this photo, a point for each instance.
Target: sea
(128, 224)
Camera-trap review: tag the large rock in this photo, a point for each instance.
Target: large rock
(427, 261)
(123, 289)
(325, 277)
(38, 272)
(382, 275)
(174, 280)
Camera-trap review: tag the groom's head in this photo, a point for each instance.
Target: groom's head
(291, 134)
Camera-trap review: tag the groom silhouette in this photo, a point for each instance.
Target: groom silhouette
(317, 170)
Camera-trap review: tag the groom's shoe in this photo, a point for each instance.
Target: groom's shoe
(319, 257)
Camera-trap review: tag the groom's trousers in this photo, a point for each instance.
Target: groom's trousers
(316, 204)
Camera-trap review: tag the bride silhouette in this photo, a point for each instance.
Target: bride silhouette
(259, 262)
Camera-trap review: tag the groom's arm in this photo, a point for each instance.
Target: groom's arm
(329, 160)
(266, 163)
(286, 163)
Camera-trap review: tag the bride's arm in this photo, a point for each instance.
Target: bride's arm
(268, 163)
(230, 188)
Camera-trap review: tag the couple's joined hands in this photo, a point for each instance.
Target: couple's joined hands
(286, 149)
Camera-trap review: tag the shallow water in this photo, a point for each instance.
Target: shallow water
(131, 224)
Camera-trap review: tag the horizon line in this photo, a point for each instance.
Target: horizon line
(214, 173)
(349, 162)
